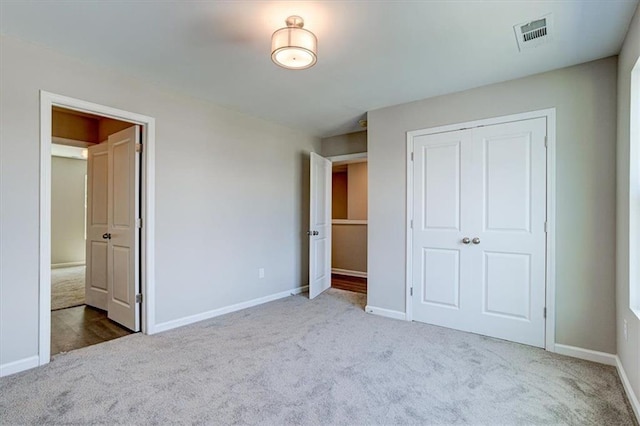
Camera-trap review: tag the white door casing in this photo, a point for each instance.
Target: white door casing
(320, 226)
(123, 257)
(97, 226)
(486, 183)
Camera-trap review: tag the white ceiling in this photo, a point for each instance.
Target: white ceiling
(371, 54)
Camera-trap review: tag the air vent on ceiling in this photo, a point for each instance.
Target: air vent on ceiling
(534, 33)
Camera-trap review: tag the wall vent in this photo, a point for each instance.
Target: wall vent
(534, 33)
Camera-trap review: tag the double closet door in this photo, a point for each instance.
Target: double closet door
(113, 208)
(478, 237)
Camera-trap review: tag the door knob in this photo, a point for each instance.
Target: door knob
(309, 233)
(466, 240)
(316, 232)
(106, 236)
(476, 240)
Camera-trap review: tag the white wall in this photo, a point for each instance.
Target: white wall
(628, 351)
(231, 193)
(349, 143)
(67, 210)
(585, 100)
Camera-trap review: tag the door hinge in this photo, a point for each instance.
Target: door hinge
(139, 222)
(546, 142)
(138, 147)
(412, 156)
(411, 291)
(546, 226)
(139, 298)
(411, 224)
(544, 313)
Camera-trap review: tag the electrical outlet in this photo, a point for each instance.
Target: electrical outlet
(625, 331)
(260, 272)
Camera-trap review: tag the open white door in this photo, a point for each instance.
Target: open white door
(123, 258)
(97, 226)
(320, 226)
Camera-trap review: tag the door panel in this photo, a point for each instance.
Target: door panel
(441, 180)
(493, 180)
(320, 226)
(508, 182)
(507, 285)
(97, 226)
(441, 278)
(123, 255)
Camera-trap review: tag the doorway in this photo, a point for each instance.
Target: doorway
(338, 246)
(480, 227)
(124, 134)
(349, 194)
(79, 182)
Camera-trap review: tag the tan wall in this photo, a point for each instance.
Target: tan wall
(357, 190)
(204, 154)
(349, 247)
(67, 210)
(109, 126)
(629, 348)
(585, 100)
(339, 195)
(350, 143)
(71, 126)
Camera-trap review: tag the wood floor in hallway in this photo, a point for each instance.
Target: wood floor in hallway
(345, 282)
(80, 326)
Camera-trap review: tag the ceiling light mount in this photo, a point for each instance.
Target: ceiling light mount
(293, 47)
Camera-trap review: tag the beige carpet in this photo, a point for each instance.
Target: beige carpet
(67, 287)
(314, 362)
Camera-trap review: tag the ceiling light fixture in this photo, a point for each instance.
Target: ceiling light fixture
(293, 47)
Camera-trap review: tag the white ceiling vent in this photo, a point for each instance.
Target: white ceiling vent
(534, 33)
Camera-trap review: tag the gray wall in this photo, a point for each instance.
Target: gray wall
(629, 351)
(585, 100)
(67, 209)
(350, 143)
(231, 193)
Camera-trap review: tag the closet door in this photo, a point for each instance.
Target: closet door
(320, 226)
(478, 250)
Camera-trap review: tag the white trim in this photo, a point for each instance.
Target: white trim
(387, 313)
(70, 142)
(170, 325)
(626, 384)
(19, 365)
(349, 221)
(47, 101)
(586, 354)
(358, 157)
(550, 115)
(66, 265)
(349, 272)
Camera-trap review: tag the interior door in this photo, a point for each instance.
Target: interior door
(479, 230)
(97, 226)
(320, 226)
(123, 259)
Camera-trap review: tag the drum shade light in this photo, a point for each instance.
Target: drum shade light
(293, 47)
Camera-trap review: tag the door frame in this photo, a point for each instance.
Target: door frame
(550, 273)
(147, 211)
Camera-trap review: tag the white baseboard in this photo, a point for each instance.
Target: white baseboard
(349, 272)
(388, 313)
(633, 399)
(66, 265)
(586, 354)
(20, 365)
(169, 325)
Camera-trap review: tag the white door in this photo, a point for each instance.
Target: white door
(320, 226)
(123, 255)
(97, 226)
(479, 213)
